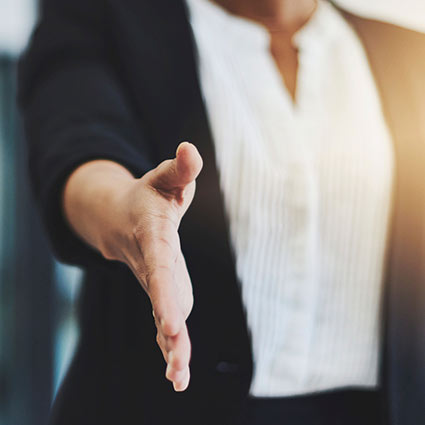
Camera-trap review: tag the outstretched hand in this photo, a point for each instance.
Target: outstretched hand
(136, 221)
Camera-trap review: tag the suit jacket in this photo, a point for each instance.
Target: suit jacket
(117, 79)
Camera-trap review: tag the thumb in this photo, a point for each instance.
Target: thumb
(178, 172)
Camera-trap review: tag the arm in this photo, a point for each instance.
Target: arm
(86, 150)
(74, 110)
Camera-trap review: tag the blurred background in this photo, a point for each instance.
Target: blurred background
(37, 295)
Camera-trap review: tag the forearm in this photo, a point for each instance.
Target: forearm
(92, 202)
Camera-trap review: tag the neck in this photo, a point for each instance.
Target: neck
(277, 15)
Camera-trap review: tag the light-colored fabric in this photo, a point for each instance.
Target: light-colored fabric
(307, 191)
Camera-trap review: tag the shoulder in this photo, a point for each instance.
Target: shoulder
(397, 58)
(390, 37)
(393, 51)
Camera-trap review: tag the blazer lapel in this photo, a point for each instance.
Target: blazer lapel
(217, 324)
(397, 58)
(175, 111)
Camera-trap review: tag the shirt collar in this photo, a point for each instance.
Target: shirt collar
(245, 33)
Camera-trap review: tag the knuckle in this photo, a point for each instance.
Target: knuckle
(138, 232)
(170, 168)
(108, 254)
(165, 165)
(179, 363)
(170, 328)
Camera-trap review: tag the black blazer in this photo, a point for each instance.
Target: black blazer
(117, 79)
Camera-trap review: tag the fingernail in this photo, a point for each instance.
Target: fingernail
(180, 145)
(181, 385)
(178, 148)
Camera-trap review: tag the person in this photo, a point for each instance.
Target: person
(290, 287)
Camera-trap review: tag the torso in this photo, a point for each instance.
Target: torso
(307, 191)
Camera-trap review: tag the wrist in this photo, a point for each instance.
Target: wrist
(93, 203)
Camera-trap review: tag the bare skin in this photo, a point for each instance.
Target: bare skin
(282, 18)
(136, 221)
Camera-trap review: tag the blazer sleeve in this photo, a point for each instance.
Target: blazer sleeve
(74, 110)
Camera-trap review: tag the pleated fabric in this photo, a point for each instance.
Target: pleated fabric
(307, 190)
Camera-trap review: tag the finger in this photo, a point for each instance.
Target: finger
(158, 250)
(183, 383)
(175, 375)
(176, 349)
(176, 352)
(178, 172)
(184, 285)
(160, 340)
(189, 162)
(179, 350)
(180, 379)
(163, 294)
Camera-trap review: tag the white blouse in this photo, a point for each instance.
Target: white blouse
(307, 190)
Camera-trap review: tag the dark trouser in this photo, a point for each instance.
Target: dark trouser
(345, 407)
